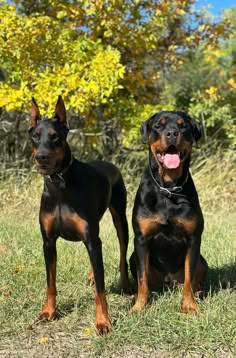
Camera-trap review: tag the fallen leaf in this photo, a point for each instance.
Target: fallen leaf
(18, 269)
(44, 339)
(88, 332)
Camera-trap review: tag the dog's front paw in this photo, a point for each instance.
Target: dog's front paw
(189, 306)
(103, 327)
(138, 307)
(126, 288)
(48, 313)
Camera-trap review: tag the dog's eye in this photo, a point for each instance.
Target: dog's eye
(54, 137)
(53, 134)
(160, 124)
(184, 125)
(35, 136)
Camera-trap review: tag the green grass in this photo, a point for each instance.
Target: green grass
(160, 331)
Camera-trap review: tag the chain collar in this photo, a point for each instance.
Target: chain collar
(59, 180)
(169, 192)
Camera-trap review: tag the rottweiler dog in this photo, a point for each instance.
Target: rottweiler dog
(167, 218)
(74, 199)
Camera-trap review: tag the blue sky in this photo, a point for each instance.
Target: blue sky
(217, 5)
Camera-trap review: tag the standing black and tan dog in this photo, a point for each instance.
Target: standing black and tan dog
(74, 199)
(167, 218)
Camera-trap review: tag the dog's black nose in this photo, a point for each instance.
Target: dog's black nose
(172, 134)
(41, 157)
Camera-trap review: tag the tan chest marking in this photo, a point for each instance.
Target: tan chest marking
(79, 223)
(148, 226)
(75, 220)
(189, 225)
(47, 221)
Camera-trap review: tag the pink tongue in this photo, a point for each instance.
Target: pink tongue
(171, 161)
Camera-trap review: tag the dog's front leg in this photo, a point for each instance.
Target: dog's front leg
(142, 262)
(191, 260)
(94, 247)
(50, 256)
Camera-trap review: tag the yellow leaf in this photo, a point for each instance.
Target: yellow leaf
(232, 83)
(180, 11)
(212, 90)
(18, 269)
(44, 339)
(88, 332)
(61, 14)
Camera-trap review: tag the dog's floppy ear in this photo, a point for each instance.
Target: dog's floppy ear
(60, 111)
(34, 115)
(197, 132)
(144, 129)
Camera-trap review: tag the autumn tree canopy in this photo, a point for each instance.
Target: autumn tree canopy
(117, 60)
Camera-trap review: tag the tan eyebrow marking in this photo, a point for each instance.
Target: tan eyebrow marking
(163, 121)
(180, 121)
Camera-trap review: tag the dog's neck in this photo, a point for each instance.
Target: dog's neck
(67, 161)
(57, 179)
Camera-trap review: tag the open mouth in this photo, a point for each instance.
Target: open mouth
(171, 158)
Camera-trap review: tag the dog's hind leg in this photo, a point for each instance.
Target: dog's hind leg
(91, 278)
(199, 276)
(117, 208)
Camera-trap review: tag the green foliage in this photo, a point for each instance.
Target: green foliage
(116, 63)
(44, 58)
(215, 119)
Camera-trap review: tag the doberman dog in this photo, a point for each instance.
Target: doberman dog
(74, 199)
(167, 218)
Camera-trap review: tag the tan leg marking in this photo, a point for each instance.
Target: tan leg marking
(188, 302)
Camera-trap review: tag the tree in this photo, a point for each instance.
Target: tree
(111, 61)
(44, 58)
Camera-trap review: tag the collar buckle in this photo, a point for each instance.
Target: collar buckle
(58, 180)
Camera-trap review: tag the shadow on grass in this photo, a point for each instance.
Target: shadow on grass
(221, 278)
(217, 279)
(115, 287)
(64, 309)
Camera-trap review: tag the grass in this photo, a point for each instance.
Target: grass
(160, 331)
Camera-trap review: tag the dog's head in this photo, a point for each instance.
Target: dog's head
(170, 136)
(48, 138)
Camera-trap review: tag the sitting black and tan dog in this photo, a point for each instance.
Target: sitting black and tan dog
(74, 199)
(167, 218)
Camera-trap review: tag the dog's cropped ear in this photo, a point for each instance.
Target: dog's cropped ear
(60, 112)
(144, 129)
(197, 132)
(34, 115)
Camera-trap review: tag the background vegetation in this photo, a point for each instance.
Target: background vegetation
(115, 63)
